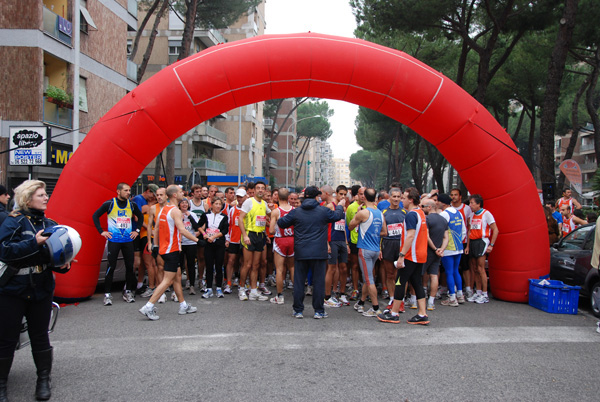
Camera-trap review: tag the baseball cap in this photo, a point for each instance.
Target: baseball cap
(152, 187)
(311, 192)
(240, 192)
(444, 199)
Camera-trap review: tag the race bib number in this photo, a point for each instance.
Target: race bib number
(340, 225)
(394, 229)
(212, 231)
(476, 224)
(261, 221)
(288, 232)
(236, 222)
(123, 223)
(188, 226)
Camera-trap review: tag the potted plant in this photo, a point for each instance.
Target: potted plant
(59, 97)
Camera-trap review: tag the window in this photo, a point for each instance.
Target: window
(85, 20)
(83, 104)
(129, 46)
(174, 50)
(178, 150)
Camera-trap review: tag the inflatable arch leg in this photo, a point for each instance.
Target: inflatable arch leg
(228, 76)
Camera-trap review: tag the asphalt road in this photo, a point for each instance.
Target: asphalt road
(232, 350)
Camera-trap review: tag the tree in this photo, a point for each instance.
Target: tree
(366, 167)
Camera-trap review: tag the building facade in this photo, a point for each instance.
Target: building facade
(584, 154)
(64, 63)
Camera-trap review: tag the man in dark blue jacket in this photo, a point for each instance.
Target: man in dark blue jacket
(310, 223)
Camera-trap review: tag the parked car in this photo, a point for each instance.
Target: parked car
(570, 262)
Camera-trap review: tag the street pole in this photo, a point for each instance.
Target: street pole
(240, 149)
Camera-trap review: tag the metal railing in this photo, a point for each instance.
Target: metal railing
(273, 162)
(210, 131)
(57, 26)
(60, 116)
(203, 163)
(132, 70)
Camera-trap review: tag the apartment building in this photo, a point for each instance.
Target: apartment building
(341, 173)
(64, 65)
(211, 148)
(584, 154)
(282, 160)
(317, 169)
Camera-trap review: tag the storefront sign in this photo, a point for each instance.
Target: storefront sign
(29, 146)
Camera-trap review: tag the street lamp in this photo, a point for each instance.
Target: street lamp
(287, 151)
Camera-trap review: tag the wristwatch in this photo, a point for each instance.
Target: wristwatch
(402, 254)
(491, 244)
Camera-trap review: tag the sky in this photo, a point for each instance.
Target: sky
(332, 17)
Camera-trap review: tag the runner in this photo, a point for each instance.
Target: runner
(438, 240)
(413, 254)
(161, 201)
(371, 226)
(232, 240)
(453, 252)
(390, 244)
(338, 251)
(199, 207)
(188, 247)
(139, 244)
(120, 235)
(358, 194)
(214, 251)
(481, 227)
(466, 213)
(570, 222)
(254, 218)
(567, 199)
(283, 245)
(167, 238)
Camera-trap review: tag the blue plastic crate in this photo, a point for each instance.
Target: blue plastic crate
(555, 297)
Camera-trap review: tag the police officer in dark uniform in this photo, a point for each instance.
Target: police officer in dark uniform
(26, 284)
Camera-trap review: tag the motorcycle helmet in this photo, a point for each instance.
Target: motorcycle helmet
(63, 244)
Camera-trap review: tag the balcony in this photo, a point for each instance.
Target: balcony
(210, 135)
(132, 70)
(208, 167)
(59, 116)
(57, 27)
(586, 147)
(209, 37)
(132, 7)
(273, 162)
(588, 167)
(269, 124)
(274, 147)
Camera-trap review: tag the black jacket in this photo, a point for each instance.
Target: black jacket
(310, 223)
(18, 248)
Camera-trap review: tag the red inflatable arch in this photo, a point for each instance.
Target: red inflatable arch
(228, 76)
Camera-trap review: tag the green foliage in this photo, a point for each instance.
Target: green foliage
(216, 14)
(368, 167)
(317, 127)
(59, 94)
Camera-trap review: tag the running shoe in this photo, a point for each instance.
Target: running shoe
(359, 308)
(354, 295)
(331, 302)
(372, 313)
(236, 282)
(187, 309)
(430, 306)
(290, 285)
(147, 293)
(598, 329)
(163, 298)
(108, 300)
(482, 299)
(264, 290)
(192, 290)
(227, 289)
(469, 293)
(418, 320)
(473, 297)
(389, 318)
(220, 293)
(277, 299)
(208, 294)
(344, 300)
(319, 316)
(149, 312)
(257, 296)
(410, 304)
(385, 294)
(309, 291)
(128, 296)
(297, 314)
(271, 281)
(141, 290)
(174, 297)
(203, 286)
(187, 285)
(449, 302)
(242, 294)
(460, 299)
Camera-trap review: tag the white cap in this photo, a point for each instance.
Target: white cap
(240, 192)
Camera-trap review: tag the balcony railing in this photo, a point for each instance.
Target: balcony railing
(209, 164)
(57, 26)
(273, 162)
(586, 147)
(132, 69)
(60, 116)
(132, 7)
(274, 147)
(590, 166)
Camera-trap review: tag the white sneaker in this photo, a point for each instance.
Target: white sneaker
(344, 300)
(147, 293)
(163, 298)
(473, 297)
(242, 294)
(309, 291)
(430, 306)
(482, 299)
(257, 296)
(290, 285)
(149, 312)
(331, 302)
(277, 300)
(108, 300)
(359, 308)
(208, 294)
(174, 297)
(187, 310)
(227, 290)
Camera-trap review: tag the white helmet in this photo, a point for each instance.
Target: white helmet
(63, 244)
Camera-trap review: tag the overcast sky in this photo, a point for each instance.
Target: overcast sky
(332, 17)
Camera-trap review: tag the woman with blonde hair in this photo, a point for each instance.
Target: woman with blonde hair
(26, 284)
